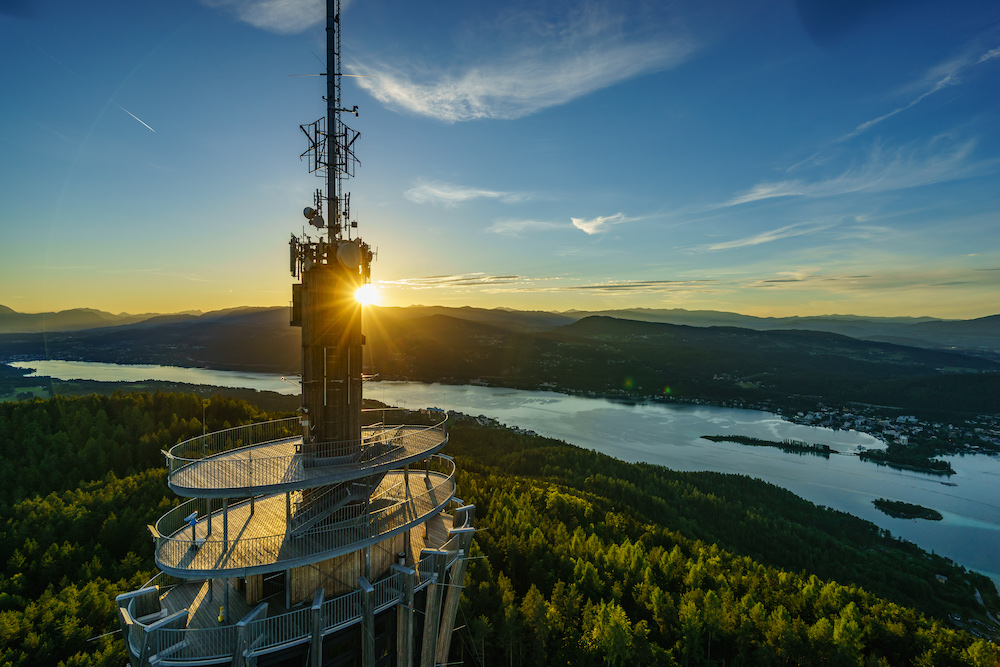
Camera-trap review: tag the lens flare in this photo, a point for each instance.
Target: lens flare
(367, 295)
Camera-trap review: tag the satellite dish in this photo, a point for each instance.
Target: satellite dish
(309, 212)
(349, 254)
(317, 221)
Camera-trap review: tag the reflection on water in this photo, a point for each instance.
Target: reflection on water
(88, 370)
(670, 435)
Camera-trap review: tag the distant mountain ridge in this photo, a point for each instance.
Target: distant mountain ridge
(597, 354)
(75, 319)
(980, 335)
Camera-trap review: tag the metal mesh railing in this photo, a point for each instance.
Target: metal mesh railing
(257, 456)
(191, 645)
(285, 628)
(387, 592)
(173, 526)
(229, 439)
(136, 635)
(342, 611)
(175, 549)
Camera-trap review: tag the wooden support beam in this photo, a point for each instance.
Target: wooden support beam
(404, 617)
(455, 584)
(432, 611)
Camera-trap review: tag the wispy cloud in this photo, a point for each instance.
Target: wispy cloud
(449, 194)
(882, 171)
(938, 78)
(456, 280)
(281, 16)
(601, 223)
(815, 281)
(948, 77)
(887, 279)
(517, 283)
(645, 286)
(598, 225)
(989, 55)
(533, 70)
(513, 227)
(770, 235)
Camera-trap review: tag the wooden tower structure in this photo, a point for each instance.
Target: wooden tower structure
(331, 538)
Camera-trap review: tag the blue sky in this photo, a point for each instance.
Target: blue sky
(771, 158)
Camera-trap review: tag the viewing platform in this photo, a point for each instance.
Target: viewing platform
(176, 622)
(255, 535)
(267, 458)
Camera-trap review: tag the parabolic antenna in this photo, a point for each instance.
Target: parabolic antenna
(349, 254)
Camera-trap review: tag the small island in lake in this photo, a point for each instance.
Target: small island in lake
(790, 446)
(902, 458)
(901, 510)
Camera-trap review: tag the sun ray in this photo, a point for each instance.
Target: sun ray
(368, 295)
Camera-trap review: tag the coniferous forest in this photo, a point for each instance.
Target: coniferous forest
(579, 558)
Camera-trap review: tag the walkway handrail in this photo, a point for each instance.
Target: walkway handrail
(196, 645)
(257, 433)
(174, 543)
(217, 472)
(217, 442)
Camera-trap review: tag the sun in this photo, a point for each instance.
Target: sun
(367, 295)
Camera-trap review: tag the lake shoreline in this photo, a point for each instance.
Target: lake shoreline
(668, 434)
(884, 423)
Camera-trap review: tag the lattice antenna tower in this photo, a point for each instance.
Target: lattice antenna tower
(331, 143)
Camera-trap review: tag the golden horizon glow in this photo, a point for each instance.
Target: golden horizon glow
(368, 295)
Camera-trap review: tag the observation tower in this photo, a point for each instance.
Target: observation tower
(331, 538)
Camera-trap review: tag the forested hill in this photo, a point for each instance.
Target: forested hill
(579, 559)
(643, 359)
(794, 369)
(979, 336)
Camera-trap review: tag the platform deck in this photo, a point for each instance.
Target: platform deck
(258, 540)
(204, 610)
(279, 465)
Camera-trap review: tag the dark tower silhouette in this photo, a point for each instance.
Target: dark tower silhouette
(333, 537)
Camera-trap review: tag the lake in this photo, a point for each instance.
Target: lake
(670, 435)
(91, 370)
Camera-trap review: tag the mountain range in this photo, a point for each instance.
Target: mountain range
(979, 336)
(596, 353)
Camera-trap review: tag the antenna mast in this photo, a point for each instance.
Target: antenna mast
(331, 143)
(332, 269)
(343, 160)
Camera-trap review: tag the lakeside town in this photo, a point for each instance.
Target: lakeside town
(978, 434)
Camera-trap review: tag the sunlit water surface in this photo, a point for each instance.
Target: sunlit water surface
(670, 435)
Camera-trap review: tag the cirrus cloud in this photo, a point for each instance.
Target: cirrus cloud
(599, 224)
(884, 170)
(280, 16)
(449, 194)
(513, 227)
(532, 69)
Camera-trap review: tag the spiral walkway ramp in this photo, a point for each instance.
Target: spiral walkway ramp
(275, 556)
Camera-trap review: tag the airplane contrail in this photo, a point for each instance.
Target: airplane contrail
(133, 116)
